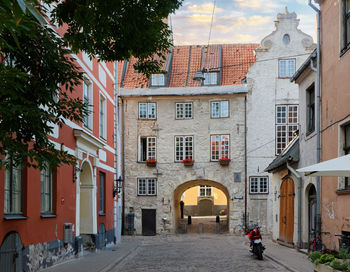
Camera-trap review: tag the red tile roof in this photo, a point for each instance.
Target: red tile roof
(232, 60)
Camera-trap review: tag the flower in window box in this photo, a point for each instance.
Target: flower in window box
(224, 161)
(188, 162)
(151, 162)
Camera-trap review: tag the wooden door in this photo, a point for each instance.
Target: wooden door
(11, 253)
(148, 222)
(205, 207)
(287, 211)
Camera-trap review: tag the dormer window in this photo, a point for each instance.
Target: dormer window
(157, 80)
(211, 78)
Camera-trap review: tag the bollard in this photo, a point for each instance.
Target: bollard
(189, 220)
(217, 219)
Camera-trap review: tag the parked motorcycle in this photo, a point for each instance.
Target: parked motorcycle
(256, 246)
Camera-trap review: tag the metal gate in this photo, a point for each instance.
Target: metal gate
(148, 222)
(11, 255)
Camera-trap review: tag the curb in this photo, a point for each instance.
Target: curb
(119, 260)
(280, 263)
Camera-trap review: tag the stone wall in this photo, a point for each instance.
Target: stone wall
(171, 174)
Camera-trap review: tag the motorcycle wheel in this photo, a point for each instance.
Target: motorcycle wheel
(259, 252)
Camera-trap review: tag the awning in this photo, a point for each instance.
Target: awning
(338, 167)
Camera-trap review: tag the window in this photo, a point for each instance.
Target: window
(219, 109)
(46, 190)
(286, 125)
(258, 185)
(101, 193)
(147, 186)
(103, 117)
(157, 80)
(220, 147)
(347, 150)
(286, 39)
(286, 67)
(183, 148)
(147, 110)
(205, 191)
(147, 148)
(310, 109)
(184, 110)
(211, 78)
(13, 190)
(87, 99)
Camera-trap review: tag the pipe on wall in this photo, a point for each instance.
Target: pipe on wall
(318, 126)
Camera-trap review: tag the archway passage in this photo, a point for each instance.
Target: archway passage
(203, 201)
(11, 254)
(287, 211)
(86, 200)
(312, 214)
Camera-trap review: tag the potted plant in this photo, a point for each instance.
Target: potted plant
(188, 162)
(151, 162)
(224, 161)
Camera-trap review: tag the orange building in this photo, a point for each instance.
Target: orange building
(39, 209)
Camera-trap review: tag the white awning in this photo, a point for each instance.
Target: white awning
(338, 167)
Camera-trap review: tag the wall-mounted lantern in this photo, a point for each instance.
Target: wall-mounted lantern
(118, 186)
(76, 169)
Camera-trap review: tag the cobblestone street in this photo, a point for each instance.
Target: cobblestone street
(187, 253)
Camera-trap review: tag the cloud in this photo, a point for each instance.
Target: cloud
(204, 8)
(263, 6)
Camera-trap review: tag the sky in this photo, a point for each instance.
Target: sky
(235, 21)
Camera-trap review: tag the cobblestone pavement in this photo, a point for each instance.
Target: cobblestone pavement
(193, 253)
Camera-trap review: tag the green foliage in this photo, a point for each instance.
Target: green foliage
(119, 28)
(339, 265)
(314, 256)
(326, 258)
(35, 67)
(344, 253)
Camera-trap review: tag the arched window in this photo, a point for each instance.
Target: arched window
(286, 39)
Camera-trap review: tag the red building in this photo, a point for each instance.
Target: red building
(36, 206)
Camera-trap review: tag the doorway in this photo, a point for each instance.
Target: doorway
(287, 196)
(148, 222)
(11, 255)
(312, 215)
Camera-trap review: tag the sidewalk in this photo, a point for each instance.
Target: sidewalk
(289, 258)
(101, 261)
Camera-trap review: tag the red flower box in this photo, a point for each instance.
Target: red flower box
(224, 161)
(151, 162)
(188, 162)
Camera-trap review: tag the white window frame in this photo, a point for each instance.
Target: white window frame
(218, 109)
(185, 148)
(206, 188)
(157, 80)
(88, 98)
(46, 196)
(257, 181)
(149, 189)
(151, 148)
(210, 78)
(103, 117)
(184, 110)
(286, 68)
(13, 195)
(285, 126)
(224, 151)
(151, 111)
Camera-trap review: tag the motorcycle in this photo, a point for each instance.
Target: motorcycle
(256, 246)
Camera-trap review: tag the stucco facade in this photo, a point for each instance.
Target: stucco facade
(335, 82)
(173, 178)
(269, 88)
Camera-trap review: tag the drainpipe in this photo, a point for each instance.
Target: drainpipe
(123, 163)
(300, 185)
(318, 126)
(245, 163)
(115, 201)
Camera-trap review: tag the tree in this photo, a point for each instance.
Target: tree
(37, 64)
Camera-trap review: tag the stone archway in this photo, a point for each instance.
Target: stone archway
(11, 254)
(178, 222)
(87, 200)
